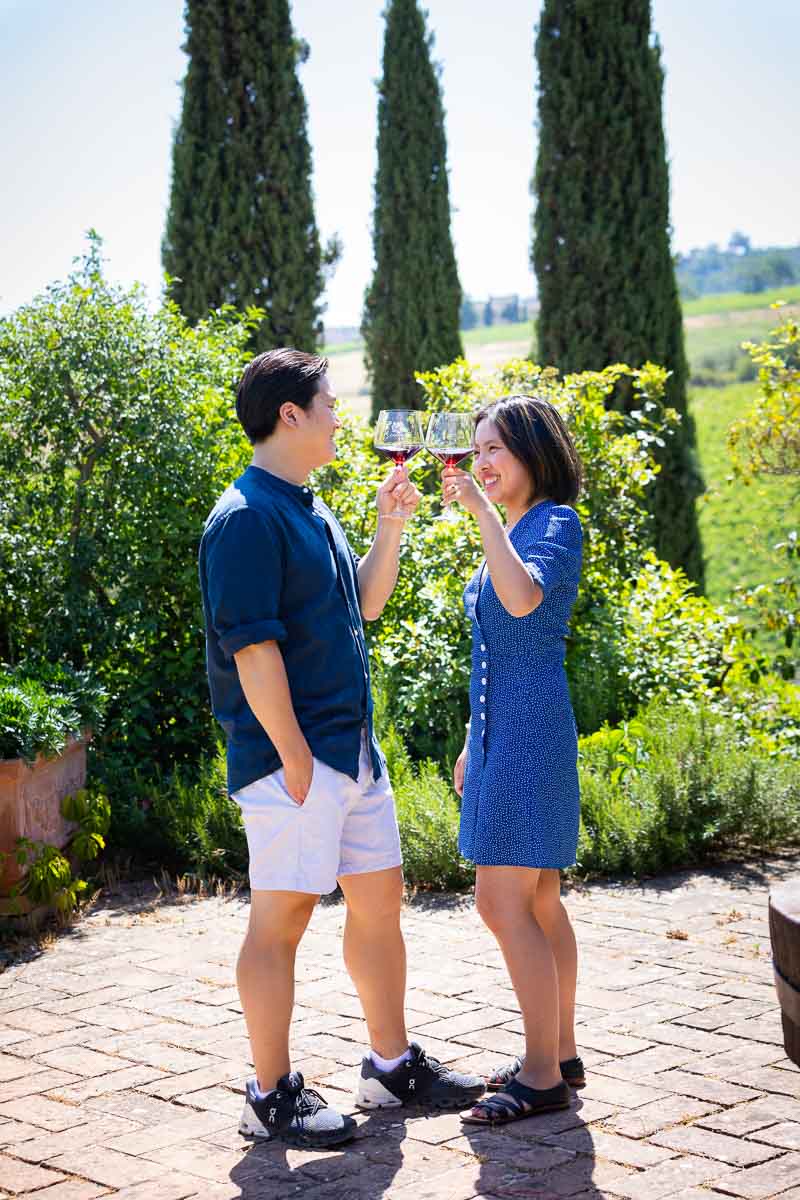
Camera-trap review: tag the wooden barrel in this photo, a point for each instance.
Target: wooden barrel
(784, 932)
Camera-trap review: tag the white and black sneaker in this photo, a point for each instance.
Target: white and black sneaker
(417, 1080)
(293, 1113)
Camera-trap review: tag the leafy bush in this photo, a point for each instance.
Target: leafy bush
(116, 436)
(637, 627)
(42, 706)
(428, 816)
(677, 784)
(51, 878)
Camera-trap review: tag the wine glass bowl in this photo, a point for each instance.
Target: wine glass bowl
(449, 438)
(399, 436)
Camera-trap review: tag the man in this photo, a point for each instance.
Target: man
(284, 597)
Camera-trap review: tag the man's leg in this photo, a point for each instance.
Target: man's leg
(265, 975)
(375, 955)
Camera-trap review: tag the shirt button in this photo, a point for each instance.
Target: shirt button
(483, 664)
(483, 699)
(483, 716)
(483, 680)
(482, 646)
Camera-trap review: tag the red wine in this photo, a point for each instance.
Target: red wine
(400, 454)
(450, 456)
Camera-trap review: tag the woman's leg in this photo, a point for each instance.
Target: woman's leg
(505, 899)
(554, 922)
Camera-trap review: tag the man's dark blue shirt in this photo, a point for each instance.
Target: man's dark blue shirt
(275, 565)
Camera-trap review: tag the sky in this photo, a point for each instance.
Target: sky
(90, 93)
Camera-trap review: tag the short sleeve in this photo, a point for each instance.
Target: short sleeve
(556, 557)
(244, 572)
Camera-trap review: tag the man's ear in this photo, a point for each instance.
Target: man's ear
(288, 414)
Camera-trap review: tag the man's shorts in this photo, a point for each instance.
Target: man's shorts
(343, 828)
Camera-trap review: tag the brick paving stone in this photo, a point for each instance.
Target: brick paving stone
(691, 1139)
(179, 1129)
(79, 1061)
(743, 1119)
(768, 1179)
(770, 1079)
(171, 1187)
(469, 1022)
(34, 1020)
(193, 1081)
(16, 1068)
(75, 1189)
(644, 1066)
(699, 1040)
(102, 1085)
(628, 1151)
(705, 1087)
(101, 1165)
(666, 1179)
(19, 1176)
(786, 1135)
(34, 1084)
(647, 1120)
(44, 1146)
(617, 1045)
(216, 1099)
(12, 1132)
(45, 1113)
(745, 989)
(766, 1028)
(621, 1091)
(746, 1057)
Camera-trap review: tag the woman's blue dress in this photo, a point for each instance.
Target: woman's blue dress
(520, 806)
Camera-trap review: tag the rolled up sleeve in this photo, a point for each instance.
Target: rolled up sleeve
(557, 556)
(244, 566)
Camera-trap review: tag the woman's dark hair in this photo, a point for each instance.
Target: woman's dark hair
(273, 379)
(535, 433)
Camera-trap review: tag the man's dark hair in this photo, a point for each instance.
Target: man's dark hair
(272, 379)
(535, 433)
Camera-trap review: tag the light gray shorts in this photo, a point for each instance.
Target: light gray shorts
(345, 827)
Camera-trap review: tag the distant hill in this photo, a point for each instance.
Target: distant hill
(738, 268)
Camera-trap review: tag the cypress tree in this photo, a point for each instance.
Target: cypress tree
(241, 228)
(601, 248)
(411, 309)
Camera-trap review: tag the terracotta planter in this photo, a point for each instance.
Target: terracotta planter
(30, 802)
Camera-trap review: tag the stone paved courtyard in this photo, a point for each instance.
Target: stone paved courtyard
(123, 1054)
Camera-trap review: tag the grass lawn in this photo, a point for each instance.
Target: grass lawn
(732, 301)
(739, 524)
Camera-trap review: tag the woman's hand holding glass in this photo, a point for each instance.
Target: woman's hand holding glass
(459, 487)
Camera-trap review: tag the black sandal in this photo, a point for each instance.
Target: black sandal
(572, 1072)
(517, 1104)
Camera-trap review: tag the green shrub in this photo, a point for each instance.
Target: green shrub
(42, 706)
(428, 816)
(116, 436)
(51, 877)
(677, 784)
(183, 820)
(637, 628)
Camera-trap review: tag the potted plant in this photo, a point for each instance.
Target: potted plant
(47, 713)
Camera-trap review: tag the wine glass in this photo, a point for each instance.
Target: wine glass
(399, 436)
(449, 438)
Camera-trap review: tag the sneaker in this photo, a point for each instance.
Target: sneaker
(293, 1113)
(417, 1080)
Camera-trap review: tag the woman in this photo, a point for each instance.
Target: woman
(517, 773)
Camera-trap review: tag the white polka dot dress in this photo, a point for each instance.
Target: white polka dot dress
(520, 806)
